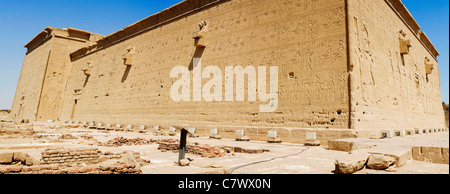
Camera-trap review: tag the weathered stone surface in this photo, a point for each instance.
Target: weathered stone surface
(6, 158)
(380, 161)
(439, 155)
(20, 156)
(351, 163)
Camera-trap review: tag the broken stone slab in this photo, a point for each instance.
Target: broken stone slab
(6, 158)
(348, 145)
(351, 163)
(402, 155)
(380, 161)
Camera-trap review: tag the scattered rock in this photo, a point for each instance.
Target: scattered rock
(380, 161)
(184, 162)
(351, 163)
(6, 158)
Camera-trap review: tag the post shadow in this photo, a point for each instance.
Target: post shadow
(198, 54)
(125, 74)
(86, 81)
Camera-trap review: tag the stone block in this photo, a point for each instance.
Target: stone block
(214, 134)
(339, 145)
(6, 158)
(402, 156)
(240, 133)
(129, 128)
(273, 137)
(380, 161)
(350, 163)
(272, 134)
(20, 156)
(437, 155)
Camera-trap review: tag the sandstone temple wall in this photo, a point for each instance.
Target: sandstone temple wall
(30, 82)
(390, 89)
(42, 82)
(346, 68)
(305, 40)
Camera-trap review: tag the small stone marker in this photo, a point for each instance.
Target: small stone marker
(273, 137)
(240, 135)
(214, 134)
(387, 134)
(142, 129)
(129, 128)
(400, 133)
(311, 139)
(172, 131)
(192, 132)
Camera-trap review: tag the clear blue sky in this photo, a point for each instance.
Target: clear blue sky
(21, 20)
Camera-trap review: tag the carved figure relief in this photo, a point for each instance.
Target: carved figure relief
(366, 63)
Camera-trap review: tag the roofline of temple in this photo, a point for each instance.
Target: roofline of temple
(168, 15)
(68, 33)
(190, 6)
(407, 18)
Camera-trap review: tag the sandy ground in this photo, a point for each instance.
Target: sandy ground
(284, 158)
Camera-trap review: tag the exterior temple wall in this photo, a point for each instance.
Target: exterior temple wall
(305, 40)
(388, 91)
(30, 83)
(340, 68)
(42, 82)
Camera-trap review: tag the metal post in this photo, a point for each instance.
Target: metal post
(182, 145)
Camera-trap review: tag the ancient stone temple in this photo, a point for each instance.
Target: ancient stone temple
(340, 68)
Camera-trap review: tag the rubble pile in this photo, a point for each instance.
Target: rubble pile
(205, 150)
(120, 141)
(73, 161)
